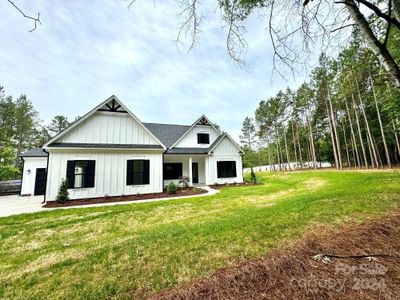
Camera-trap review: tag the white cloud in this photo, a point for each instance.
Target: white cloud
(86, 51)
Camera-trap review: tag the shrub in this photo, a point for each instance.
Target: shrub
(253, 177)
(63, 194)
(171, 188)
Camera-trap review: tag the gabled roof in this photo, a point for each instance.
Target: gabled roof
(116, 106)
(220, 139)
(203, 120)
(36, 152)
(168, 134)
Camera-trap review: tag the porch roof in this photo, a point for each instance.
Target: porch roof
(187, 151)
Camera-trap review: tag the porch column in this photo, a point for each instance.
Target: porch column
(206, 177)
(190, 172)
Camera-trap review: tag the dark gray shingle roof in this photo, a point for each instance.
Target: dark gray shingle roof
(168, 134)
(187, 151)
(36, 152)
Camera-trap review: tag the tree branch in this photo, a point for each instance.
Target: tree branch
(35, 20)
(379, 13)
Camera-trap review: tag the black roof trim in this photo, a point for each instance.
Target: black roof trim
(119, 146)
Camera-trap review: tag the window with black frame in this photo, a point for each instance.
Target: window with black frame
(203, 138)
(81, 173)
(172, 170)
(138, 172)
(226, 169)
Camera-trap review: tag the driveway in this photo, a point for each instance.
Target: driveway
(14, 204)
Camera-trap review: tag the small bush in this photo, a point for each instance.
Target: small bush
(63, 194)
(171, 188)
(253, 177)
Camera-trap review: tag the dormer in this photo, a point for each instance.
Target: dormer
(200, 135)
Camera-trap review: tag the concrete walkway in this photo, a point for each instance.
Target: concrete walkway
(14, 204)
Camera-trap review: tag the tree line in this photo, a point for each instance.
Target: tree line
(21, 129)
(347, 113)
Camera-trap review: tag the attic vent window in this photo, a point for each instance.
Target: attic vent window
(203, 138)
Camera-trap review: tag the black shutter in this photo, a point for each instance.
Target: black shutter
(146, 171)
(129, 172)
(70, 173)
(219, 169)
(234, 169)
(90, 168)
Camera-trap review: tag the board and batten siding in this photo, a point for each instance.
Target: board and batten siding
(225, 151)
(109, 128)
(190, 139)
(110, 172)
(29, 173)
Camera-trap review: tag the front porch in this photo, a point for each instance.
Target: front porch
(194, 166)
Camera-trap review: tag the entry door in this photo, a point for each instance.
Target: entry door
(195, 172)
(40, 181)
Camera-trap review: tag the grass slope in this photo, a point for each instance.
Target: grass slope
(138, 249)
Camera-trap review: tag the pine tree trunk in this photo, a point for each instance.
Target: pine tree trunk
(299, 143)
(337, 142)
(294, 146)
(380, 125)
(378, 153)
(332, 138)
(347, 148)
(396, 138)
(359, 133)
(269, 156)
(353, 138)
(313, 155)
(376, 46)
(373, 157)
(287, 150)
(277, 152)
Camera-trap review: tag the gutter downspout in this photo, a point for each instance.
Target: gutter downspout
(47, 170)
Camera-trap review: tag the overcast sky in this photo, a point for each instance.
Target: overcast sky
(87, 51)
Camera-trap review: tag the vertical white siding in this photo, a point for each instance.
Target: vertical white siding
(190, 139)
(29, 177)
(225, 151)
(110, 172)
(109, 128)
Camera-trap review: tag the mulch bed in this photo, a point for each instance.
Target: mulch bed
(179, 193)
(220, 186)
(295, 273)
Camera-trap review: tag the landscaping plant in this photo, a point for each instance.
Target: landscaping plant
(63, 194)
(171, 188)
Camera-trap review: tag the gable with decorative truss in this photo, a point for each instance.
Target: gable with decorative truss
(202, 126)
(110, 123)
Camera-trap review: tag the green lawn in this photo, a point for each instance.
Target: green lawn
(137, 249)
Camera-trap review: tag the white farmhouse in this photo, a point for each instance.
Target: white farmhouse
(110, 152)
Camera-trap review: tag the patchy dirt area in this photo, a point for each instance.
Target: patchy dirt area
(179, 193)
(354, 262)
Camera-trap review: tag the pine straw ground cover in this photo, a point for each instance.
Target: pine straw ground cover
(137, 250)
(353, 262)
